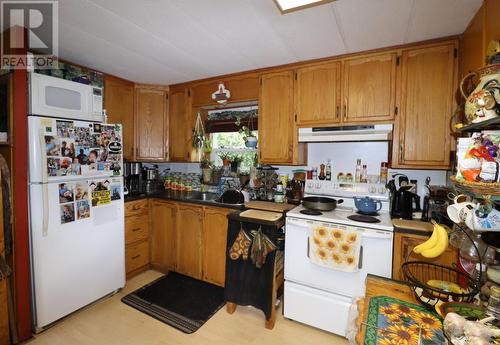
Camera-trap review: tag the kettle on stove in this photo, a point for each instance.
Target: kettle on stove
(404, 201)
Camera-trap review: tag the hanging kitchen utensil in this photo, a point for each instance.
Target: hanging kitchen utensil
(198, 133)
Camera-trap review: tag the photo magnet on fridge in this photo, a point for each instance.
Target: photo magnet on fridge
(82, 209)
(52, 147)
(66, 193)
(67, 213)
(53, 166)
(65, 129)
(81, 191)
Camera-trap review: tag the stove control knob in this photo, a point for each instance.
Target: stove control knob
(310, 185)
(318, 185)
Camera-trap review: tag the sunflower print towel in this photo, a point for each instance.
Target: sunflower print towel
(335, 247)
(395, 322)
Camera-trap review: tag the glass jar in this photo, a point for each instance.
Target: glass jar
(494, 302)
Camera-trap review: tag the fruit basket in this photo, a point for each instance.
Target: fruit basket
(460, 287)
(477, 188)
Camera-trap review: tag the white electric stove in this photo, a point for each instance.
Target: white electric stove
(319, 296)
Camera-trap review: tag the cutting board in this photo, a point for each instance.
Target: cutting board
(269, 206)
(261, 215)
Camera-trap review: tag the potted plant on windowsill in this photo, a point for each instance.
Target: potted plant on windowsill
(236, 160)
(206, 166)
(225, 157)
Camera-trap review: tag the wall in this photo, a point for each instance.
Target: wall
(343, 156)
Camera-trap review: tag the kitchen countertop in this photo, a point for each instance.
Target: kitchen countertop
(412, 226)
(195, 197)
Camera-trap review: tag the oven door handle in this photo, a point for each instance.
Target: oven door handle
(308, 248)
(377, 234)
(360, 260)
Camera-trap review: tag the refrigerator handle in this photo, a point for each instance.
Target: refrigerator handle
(44, 155)
(45, 198)
(45, 186)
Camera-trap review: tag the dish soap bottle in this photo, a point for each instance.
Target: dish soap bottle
(357, 175)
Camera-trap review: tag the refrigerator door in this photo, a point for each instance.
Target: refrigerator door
(80, 257)
(63, 150)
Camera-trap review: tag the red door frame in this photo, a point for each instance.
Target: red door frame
(21, 237)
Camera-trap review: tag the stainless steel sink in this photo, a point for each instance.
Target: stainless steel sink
(202, 196)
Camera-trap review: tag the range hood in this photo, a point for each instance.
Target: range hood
(346, 133)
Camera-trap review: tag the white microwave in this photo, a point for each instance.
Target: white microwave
(56, 97)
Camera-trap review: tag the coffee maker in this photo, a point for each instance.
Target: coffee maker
(132, 172)
(435, 203)
(150, 178)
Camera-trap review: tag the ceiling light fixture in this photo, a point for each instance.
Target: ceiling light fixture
(287, 6)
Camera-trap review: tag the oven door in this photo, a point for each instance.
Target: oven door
(376, 258)
(56, 97)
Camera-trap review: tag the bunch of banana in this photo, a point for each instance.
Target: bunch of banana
(436, 244)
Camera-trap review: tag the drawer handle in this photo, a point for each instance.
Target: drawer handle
(136, 257)
(136, 229)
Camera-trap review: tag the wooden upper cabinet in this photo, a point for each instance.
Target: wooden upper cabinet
(119, 105)
(276, 118)
(473, 43)
(180, 125)
(151, 123)
(214, 244)
(369, 88)
(317, 94)
(189, 240)
(422, 134)
(243, 88)
(163, 235)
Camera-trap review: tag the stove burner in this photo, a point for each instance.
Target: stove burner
(311, 212)
(368, 213)
(363, 218)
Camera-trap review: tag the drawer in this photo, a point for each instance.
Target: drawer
(136, 256)
(136, 228)
(136, 208)
(317, 308)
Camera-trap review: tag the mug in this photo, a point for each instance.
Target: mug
(457, 199)
(487, 222)
(458, 212)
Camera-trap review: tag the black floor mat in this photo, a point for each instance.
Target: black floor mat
(179, 301)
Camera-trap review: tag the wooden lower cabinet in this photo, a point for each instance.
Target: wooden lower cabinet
(214, 244)
(403, 251)
(136, 236)
(163, 235)
(189, 240)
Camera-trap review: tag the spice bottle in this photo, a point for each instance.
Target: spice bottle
(357, 174)
(383, 172)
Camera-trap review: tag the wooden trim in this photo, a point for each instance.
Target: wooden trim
(152, 87)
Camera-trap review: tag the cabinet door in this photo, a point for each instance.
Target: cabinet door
(119, 105)
(214, 244)
(427, 104)
(189, 229)
(370, 88)
(276, 122)
(179, 126)
(243, 88)
(151, 124)
(473, 43)
(317, 94)
(163, 235)
(403, 251)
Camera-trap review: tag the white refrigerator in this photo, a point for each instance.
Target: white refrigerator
(76, 215)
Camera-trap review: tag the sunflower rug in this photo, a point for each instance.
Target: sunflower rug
(395, 322)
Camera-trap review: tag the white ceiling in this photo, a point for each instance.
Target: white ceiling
(172, 41)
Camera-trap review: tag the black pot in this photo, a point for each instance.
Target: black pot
(319, 203)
